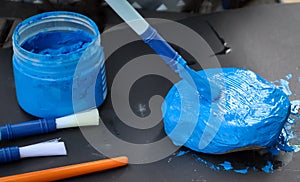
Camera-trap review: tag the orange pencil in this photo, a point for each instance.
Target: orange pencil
(68, 171)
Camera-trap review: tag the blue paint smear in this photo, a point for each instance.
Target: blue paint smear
(288, 131)
(289, 76)
(241, 171)
(181, 153)
(268, 168)
(215, 168)
(295, 107)
(206, 163)
(250, 112)
(291, 120)
(227, 166)
(284, 84)
(201, 160)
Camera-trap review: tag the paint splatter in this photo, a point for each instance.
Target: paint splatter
(242, 171)
(200, 160)
(206, 163)
(288, 133)
(296, 148)
(227, 166)
(284, 85)
(215, 168)
(268, 168)
(181, 153)
(289, 76)
(295, 107)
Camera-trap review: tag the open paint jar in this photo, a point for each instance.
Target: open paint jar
(58, 64)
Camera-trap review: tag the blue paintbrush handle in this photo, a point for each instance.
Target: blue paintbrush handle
(9, 154)
(162, 48)
(174, 60)
(28, 128)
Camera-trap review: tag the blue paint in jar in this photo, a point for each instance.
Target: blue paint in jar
(57, 42)
(251, 112)
(47, 51)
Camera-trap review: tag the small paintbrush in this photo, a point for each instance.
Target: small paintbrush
(46, 125)
(49, 148)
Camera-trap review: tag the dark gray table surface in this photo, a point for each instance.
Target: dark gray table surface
(264, 39)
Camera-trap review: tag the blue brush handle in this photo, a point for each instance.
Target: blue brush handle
(174, 60)
(9, 154)
(28, 128)
(162, 48)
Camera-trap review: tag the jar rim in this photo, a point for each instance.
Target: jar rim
(44, 16)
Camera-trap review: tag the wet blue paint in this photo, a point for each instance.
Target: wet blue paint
(274, 150)
(57, 42)
(215, 168)
(201, 160)
(285, 87)
(268, 168)
(181, 153)
(295, 107)
(46, 58)
(227, 166)
(291, 120)
(241, 171)
(288, 133)
(251, 112)
(289, 76)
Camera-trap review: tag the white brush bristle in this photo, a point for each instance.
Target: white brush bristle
(54, 148)
(87, 118)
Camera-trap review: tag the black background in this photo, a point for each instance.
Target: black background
(264, 39)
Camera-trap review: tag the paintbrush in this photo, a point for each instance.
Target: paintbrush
(49, 148)
(46, 125)
(151, 37)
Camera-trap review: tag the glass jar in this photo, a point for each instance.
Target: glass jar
(58, 64)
